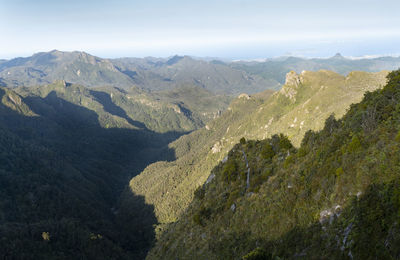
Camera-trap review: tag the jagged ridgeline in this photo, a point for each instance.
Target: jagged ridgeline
(160, 74)
(336, 196)
(155, 74)
(303, 103)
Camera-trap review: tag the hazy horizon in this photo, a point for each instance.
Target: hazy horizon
(234, 29)
(227, 59)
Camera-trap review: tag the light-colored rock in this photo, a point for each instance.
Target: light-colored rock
(244, 95)
(16, 101)
(216, 147)
(210, 178)
(177, 109)
(293, 79)
(328, 215)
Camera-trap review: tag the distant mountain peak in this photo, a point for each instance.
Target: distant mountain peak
(338, 56)
(175, 59)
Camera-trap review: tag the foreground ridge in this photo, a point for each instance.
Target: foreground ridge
(334, 197)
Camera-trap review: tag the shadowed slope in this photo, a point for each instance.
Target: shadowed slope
(61, 177)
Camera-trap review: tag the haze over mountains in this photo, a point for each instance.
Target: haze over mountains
(158, 74)
(108, 158)
(149, 73)
(184, 129)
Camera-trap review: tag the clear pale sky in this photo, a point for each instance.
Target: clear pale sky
(237, 29)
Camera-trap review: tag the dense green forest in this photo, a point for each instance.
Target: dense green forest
(63, 167)
(336, 196)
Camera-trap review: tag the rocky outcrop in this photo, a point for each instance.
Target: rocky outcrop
(292, 83)
(244, 96)
(293, 79)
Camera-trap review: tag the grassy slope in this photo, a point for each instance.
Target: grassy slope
(336, 197)
(169, 186)
(308, 103)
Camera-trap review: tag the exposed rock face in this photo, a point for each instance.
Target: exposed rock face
(217, 147)
(292, 83)
(16, 100)
(293, 79)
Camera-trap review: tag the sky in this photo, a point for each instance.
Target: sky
(230, 29)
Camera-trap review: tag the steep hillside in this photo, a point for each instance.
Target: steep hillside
(303, 103)
(66, 154)
(334, 197)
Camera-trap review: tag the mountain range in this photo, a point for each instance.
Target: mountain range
(148, 73)
(187, 157)
(161, 74)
